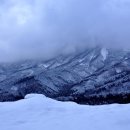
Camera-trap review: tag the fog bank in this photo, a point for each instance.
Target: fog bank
(45, 28)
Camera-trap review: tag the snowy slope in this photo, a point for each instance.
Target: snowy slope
(37, 112)
(96, 75)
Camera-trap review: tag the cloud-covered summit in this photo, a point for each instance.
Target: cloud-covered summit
(44, 28)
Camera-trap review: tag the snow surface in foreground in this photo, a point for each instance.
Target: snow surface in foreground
(37, 112)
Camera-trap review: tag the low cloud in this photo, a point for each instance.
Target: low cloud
(45, 28)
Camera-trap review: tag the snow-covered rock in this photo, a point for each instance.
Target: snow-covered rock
(104, 53)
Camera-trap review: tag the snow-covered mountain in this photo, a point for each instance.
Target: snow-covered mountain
(95, 76)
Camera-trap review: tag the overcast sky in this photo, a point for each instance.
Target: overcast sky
(44, 28)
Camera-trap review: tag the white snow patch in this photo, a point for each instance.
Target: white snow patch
(37, 112)
(104, 53)
(92, 56)
(27, 73)
(14, 88)
(118, 70)
(34, 96)
(46, 65)
(43, 66)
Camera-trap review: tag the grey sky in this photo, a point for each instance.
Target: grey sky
(41, 28)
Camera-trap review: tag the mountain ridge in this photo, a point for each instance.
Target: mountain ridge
(95, 76)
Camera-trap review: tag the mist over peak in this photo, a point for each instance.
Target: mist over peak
(45, 28)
